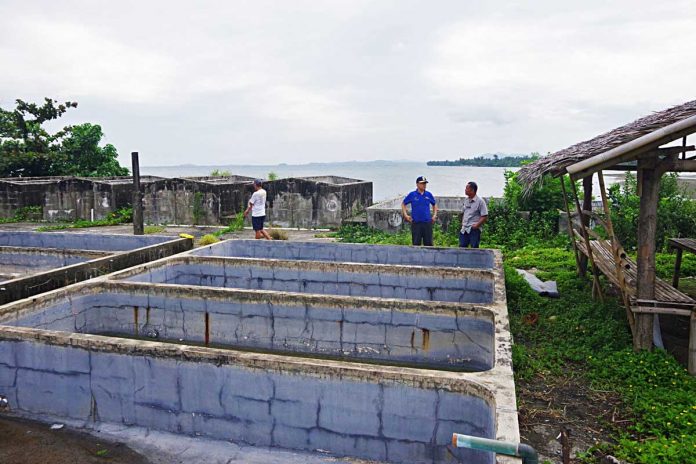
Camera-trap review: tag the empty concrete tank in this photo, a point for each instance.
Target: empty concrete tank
(374, 378)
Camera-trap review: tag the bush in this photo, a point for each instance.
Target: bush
(278, 234)
(208, 239)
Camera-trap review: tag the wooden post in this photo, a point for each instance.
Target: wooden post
(677, 268)
(692, 344)
(584, 219)
(647, 226)
(138, 226)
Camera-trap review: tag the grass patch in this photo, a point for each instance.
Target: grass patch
(278, 234)
(121, 216)
(153, 229)
(208, 239)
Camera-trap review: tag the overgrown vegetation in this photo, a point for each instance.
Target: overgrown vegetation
(148, 230)
(25, 213)
(278, 234)
(220, 173)
(236, 224)
(121, 216)
(577, 336)
(208, 239)
(27, 149)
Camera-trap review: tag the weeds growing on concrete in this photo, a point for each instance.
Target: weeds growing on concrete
(236, 224)
(121, 216)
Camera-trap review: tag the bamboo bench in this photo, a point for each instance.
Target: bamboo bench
(668, 300)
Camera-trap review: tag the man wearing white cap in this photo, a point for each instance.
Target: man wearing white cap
(257, 206)
(420, 218)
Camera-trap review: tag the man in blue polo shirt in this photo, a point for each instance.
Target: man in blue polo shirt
(420, 218)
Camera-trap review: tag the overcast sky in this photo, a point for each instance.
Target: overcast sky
(287, 81)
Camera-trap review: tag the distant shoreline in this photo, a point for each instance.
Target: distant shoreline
(494, 161)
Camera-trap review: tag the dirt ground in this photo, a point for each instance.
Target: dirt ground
(28, 442)
(549, 406)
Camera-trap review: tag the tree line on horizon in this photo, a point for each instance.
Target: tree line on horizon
(510, 161)
(27, 149)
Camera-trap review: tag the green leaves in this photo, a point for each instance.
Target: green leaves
(29, 150)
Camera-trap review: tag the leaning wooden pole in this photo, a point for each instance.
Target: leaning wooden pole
(596, 289)
(570, 223)
(647, 227)
(616, 251)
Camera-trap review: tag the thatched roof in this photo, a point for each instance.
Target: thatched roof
(556, 163)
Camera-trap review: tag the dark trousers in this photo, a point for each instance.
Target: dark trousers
(473, 238)
(422, 233)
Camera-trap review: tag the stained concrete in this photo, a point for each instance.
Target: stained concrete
(352, 253)
(447, 337)
(322, 201)
(359, 280)
(34, 262)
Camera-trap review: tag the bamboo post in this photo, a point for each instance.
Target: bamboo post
(596, 289)
(570, 223)
(616, 252)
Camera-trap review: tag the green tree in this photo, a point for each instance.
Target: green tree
(27, 149)
(81, 155)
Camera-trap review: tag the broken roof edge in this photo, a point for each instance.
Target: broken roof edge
(629, 150)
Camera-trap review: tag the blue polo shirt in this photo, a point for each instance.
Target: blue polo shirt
(420, 205)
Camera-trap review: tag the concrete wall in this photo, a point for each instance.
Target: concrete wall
(352, 253)
(16, 261)
(294, 202)
(460, 340)
(386, 215)
(411, 283)
(120, 252)
(370, 419)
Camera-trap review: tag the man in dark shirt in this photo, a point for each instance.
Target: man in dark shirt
(420, 218)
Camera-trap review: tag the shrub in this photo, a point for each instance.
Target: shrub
(278, 234)
(208, 239)
(153, 229)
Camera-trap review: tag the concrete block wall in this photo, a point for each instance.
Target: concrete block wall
(379, 420)
(450, 340)
(325, 279)
(351, 253)
(81, 241)
(294, 202)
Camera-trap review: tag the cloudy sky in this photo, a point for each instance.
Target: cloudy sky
(291, 81)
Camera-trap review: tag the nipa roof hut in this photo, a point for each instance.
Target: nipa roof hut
(556, 163)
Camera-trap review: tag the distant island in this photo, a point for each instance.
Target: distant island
(495, 160)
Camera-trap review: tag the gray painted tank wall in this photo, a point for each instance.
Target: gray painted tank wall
(377, 420)
(17, 263)
(372, 282)
(352, 253)
(452, 340)
(71, 241)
